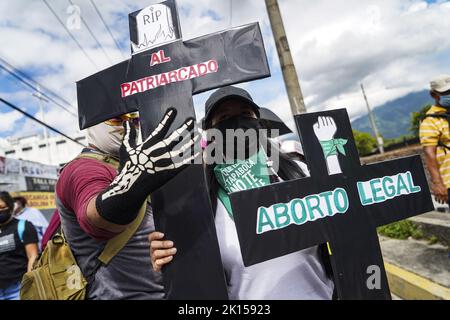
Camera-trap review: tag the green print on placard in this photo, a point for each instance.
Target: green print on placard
(242, 175)
(302, 210)
(386, 188)
(333, 147)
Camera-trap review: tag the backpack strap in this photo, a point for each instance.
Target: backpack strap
(441, 115)
(100, 157)
(442, 145)
(21, 229)
(114, 245)
(444, 115)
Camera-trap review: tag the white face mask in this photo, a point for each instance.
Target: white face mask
(106, 138)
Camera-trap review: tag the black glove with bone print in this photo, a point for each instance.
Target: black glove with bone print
(144, 168)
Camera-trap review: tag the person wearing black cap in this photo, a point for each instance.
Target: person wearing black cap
(302, 275)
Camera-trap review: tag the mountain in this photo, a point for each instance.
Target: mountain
(394, 117)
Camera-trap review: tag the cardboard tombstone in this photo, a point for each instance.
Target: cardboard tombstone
(341, 203)
(163, 72)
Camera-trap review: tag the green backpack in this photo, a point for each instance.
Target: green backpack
(56, 274)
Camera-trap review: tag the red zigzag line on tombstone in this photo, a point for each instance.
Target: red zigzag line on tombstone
(160, 34)
(162, 79)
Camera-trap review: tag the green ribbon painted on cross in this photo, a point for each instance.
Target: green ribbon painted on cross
(333, 147)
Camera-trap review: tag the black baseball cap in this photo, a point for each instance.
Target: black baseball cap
(224, 94)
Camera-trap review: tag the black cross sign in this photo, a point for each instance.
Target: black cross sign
(286, 217)
(167, 76)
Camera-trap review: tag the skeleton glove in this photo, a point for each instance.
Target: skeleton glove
(145, 167)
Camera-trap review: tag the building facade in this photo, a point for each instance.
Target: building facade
(55, 151)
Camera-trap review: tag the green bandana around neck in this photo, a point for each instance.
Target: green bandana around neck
(241, 175)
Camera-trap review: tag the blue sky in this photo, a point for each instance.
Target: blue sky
(393, 46)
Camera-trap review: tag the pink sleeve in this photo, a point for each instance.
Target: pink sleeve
(79, 182)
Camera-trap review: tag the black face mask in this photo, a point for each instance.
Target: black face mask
(5, 216)
(248, 146)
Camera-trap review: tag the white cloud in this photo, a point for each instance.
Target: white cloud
(393, 46)
(380, 43)
(8, 119)
(415, 7)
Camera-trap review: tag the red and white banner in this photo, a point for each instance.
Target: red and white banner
(162, 79)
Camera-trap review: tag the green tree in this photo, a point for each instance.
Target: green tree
(365, 143)
(416, 118)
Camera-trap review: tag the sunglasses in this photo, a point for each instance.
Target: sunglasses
(118, 121)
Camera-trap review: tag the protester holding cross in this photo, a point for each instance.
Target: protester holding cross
(163, 73)
(101, 197)
(300, 275)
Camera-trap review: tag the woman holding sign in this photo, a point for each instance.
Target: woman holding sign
(301, 275)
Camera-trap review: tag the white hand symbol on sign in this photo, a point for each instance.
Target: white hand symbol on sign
(325, 128)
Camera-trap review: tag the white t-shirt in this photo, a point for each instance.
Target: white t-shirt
(38, 220)
(297, 276)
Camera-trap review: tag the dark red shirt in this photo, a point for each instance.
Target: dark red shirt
(53, 226)
(79, 182)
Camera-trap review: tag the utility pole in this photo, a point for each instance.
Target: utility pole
(38, 95)
(373, 122)
(287, 63)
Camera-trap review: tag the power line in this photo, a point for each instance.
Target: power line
(70, 33)
(26, 114)
(23, 75)
(93, 35)
(12, 73)
(107, 28)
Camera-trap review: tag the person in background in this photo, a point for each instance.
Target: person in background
(435, 138)
(33, 215)
(294, 150)
(18, 249)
